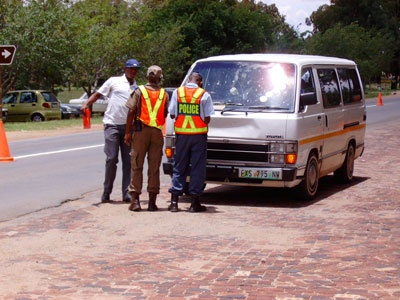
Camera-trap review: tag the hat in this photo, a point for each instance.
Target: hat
(156, 70)
(132, 63)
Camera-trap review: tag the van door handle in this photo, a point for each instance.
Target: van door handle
(326, 121)
(319, 117)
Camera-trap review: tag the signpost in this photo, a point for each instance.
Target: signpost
(6, 58)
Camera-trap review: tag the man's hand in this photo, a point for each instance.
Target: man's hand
(83, 108)
(128, 139)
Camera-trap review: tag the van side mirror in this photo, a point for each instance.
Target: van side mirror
(308, 99)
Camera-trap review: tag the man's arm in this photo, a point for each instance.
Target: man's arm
(172, 104)
(208, 107)
(92, 99)
(132, 104)
(129, 121)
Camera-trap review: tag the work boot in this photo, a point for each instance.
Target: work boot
(105, 198)
(174, 203)
(196, 206)
(127, 198)
(152, 202)
(135, 205)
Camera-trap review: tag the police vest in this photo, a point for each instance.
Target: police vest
(153, 107)
(188, 120)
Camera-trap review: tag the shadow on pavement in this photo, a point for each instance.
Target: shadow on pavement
(272, 197)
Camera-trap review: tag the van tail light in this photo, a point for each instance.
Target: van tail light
(47, 105)
(291, 158)
(168, 152)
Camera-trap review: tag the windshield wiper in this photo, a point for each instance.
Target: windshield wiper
(266, 107)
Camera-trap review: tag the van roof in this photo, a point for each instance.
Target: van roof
(297, 59)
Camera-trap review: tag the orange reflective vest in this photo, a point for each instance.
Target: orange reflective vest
(188, 120)
(153, 107)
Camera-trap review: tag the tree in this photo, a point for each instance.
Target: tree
(215, 27)
(103, 41)
(40, 30)
(373, 15)
(371, 50)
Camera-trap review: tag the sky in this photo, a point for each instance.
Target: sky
(296, 11)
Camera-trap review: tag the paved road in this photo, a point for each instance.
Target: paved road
(250, 244)
(50, 171)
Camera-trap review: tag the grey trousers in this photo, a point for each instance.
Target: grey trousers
(114, 141)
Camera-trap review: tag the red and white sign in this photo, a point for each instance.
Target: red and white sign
(7, 54)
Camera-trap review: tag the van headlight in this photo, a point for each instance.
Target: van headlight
(283, 152)
(277, 158)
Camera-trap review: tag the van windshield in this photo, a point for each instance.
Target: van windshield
(249, 85)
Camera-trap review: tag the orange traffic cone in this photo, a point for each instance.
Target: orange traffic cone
(4, 150)
(86, 119)
(379, 100)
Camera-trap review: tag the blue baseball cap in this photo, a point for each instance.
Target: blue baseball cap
(132, 63)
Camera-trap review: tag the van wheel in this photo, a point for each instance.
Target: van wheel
(345, 173)
(309, 186)
(37, 118)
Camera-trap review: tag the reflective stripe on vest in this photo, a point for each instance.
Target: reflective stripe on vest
(153, 112)
(190, 112)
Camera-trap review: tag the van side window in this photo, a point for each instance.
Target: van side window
(350, 85)
(307, 82)
(329, 87)
(28, 98)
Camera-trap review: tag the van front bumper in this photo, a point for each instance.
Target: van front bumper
(230, 174)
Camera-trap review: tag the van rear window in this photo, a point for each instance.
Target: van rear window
(269, 86)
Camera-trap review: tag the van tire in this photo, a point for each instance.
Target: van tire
(345, 173)
(37, 118)
(309, 186)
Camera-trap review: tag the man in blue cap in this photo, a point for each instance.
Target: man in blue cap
(117, 89)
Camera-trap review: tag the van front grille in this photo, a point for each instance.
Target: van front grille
(237, 152)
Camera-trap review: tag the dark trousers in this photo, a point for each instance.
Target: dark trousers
(190, 154)
(114, 141)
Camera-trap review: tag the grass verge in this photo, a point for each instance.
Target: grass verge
(49, 125)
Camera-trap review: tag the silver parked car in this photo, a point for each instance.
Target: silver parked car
(99, 106)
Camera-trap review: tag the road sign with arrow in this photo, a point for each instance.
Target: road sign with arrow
(7, 54)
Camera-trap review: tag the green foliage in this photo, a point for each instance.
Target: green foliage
(371, 50)
(212, 27)
(41, 31)
(380, 18)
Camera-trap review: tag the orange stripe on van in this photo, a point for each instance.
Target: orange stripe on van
(329, 135)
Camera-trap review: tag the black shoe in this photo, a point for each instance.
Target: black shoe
(196, 206)
(152, 202)
(105, 198)
(127, 199)
(174, 203)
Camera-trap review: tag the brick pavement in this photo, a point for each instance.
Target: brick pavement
(251, 244)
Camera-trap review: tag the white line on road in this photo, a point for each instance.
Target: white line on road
(59, 151)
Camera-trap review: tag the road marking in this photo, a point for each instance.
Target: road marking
(59, 151)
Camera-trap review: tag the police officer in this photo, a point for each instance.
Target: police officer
(192, 107)
(148, 106)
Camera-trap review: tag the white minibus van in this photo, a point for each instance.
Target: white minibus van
(280, 120)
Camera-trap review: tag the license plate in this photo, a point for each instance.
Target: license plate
(253, 173)
(54, 105)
